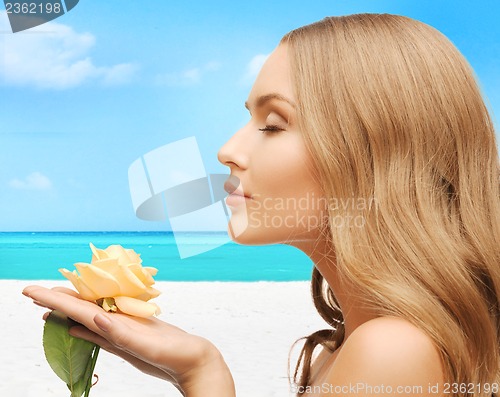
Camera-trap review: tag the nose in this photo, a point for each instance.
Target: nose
(234, 153)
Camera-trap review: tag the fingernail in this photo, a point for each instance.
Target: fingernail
(102, 322)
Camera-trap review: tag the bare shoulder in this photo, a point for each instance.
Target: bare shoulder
(389, 352)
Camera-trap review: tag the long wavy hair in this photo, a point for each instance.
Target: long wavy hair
(391, 112)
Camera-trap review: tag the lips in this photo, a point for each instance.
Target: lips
(231, 187)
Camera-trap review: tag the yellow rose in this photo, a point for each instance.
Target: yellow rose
(116, 279)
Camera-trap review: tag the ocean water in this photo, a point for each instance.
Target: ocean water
(39, 255)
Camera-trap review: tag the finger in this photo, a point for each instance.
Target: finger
(45, 315)
(81, 311)
(173, 350)
(27, 289)
(66, 291)
(138, 323)
(42, 305)
(83, 333)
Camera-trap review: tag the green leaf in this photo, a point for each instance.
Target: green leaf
(69, 357)
(80, 386)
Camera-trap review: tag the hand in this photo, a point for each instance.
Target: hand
(191, 363)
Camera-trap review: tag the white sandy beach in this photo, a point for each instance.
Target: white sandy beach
(253, 324)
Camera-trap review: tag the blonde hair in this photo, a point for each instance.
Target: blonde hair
(390, 111)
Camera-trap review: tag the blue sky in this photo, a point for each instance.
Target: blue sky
(84, 96)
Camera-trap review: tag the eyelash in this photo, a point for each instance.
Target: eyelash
(271, 129)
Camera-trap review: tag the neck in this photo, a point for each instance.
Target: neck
(323, 257)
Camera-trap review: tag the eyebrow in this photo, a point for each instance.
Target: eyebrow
(263, 99)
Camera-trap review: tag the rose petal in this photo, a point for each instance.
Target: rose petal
(109, 265)
(97, 253)
(130, 285)
(149, 278)
(151, 270)
(153, 292)
(133, 256)
(142, 275)
(102, 283)
(136, 307)
(118, 252)
(84, 291)
(149, 294)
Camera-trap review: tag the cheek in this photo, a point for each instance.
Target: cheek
(287, 199)
(284, 173)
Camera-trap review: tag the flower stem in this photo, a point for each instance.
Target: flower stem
(92, 366)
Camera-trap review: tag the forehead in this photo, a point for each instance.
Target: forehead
(274, 77)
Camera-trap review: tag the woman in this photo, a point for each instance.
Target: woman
(376, 122)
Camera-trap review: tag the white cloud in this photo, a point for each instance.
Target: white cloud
(187, 77)
(192, 75)
(119, 74)
(212, 66)
(254, 66)
(34, 181)
(54, 56)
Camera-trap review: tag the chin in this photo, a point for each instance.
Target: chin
(249, 238)
(244, 237)
(253, 235)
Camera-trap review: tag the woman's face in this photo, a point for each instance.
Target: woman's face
(276, 200)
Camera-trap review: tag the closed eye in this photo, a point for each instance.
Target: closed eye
(269, 129)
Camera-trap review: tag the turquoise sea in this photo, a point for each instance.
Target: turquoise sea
(39, 255)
